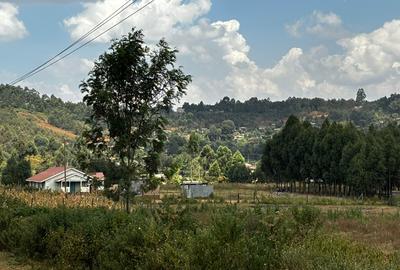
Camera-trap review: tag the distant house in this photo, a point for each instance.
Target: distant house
(192, 190)
(251, 167)
(54, 179)
(100, 178)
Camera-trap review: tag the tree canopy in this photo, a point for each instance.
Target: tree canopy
(128, 91)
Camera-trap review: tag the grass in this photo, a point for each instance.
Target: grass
(335, 233)
(10, 262)
(379, 232)
(55, 199)
(246, 195)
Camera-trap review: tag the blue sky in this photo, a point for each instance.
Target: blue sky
(238, 48)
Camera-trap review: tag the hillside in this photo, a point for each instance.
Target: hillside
(255, 113)
(36, 125)
(40, 123)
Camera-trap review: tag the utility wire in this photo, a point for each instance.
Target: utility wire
(121, 9)
(89, 41)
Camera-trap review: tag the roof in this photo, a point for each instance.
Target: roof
(98, 175)
(193, 183)
(43, 176)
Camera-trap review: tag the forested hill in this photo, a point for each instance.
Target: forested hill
(65, 115)
(263, 112)
(252, 113)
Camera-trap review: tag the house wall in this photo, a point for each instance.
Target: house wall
(73, 176)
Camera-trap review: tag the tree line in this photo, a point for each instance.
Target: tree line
(335, 159)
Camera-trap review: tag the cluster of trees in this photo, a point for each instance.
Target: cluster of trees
(206, 163)
(249, 142)
(336, 158)
(21, 139)
(255, 112)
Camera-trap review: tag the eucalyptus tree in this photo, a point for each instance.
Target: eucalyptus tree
(129, 90)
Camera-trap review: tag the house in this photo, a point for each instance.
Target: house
(54, 179)
(99, 178)
(193, 190)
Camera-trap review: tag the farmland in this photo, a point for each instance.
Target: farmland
(244, 195)
(281, 232)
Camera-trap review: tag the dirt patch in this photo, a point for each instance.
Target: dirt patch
(42, 123)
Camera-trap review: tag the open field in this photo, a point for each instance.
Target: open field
(281, 229)
(245, 195)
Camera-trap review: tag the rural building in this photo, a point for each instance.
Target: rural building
(53, 179)
(193, 190)
(99, 178)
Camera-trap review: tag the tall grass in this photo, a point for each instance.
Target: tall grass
(179, 236)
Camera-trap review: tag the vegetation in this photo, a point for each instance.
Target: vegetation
(255, 113)
(65, 115)
(338, 158)
(190, 236)
(128, 90)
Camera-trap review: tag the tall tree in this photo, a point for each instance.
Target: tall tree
(129, 90)
(16, 171)
(361, 96)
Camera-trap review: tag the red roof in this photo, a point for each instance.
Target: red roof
(43, 176)
(98, 175)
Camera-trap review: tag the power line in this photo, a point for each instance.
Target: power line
(89, 41)
(39, 68)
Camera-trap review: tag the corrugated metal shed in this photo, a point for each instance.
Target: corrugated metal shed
(192, 190)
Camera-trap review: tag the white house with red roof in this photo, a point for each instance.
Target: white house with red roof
(56, 178)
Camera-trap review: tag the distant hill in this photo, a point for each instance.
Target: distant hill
(65, 115)
(25, 114)
(37, 124)
(255, 112)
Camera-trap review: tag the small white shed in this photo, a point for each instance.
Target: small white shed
(192, 190)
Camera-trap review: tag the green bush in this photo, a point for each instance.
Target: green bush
(183, 236)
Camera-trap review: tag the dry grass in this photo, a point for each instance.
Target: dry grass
(381, 232)
(55, 199)
(9, 262)
(42, 123)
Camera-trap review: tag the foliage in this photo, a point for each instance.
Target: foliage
(128, 90)
(191, 237)
(66, 115)
(338, 157)
(16, 171)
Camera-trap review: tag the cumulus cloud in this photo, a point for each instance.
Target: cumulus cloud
(217, 54)
(369, 60)
(325, 25)
(61, 80)
(158, 18)
(11, 28)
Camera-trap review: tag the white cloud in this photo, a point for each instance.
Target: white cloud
(11, 28)
(157, 19)
(369, 60)
(325, 25)
(217, 55)
(62, 79)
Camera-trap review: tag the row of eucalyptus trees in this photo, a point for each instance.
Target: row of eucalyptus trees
(335, 159)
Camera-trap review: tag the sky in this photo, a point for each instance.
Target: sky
(241, 49)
